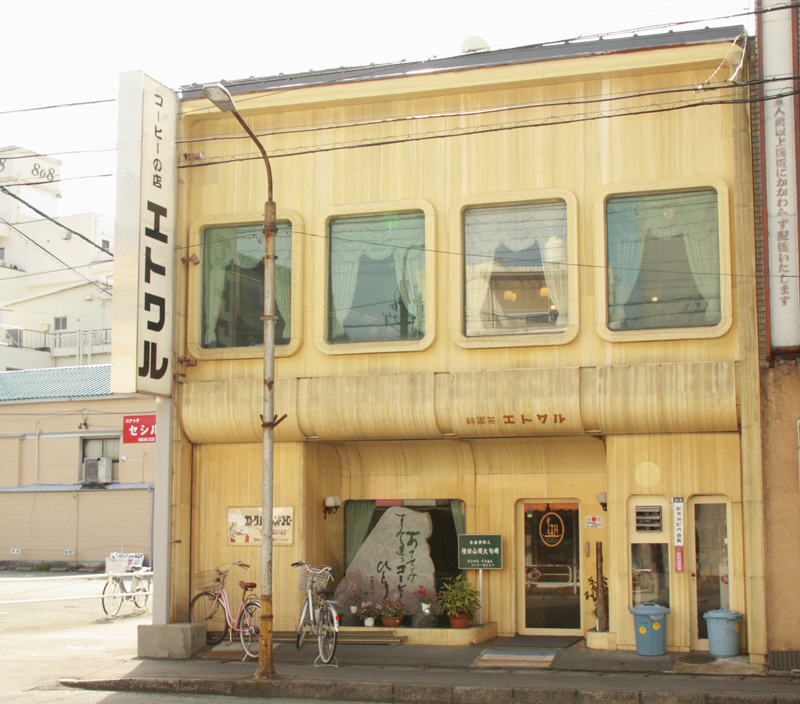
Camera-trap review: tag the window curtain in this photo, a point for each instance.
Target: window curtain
(401, 235)
(358, 515)
(459, 519)
(625, 253)
(694, 217)
(243, 245)
(517, 227)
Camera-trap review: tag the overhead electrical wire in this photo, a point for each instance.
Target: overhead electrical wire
(3, 189)
(58, 259)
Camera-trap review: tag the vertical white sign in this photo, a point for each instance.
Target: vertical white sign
(145, 237)
(677, 507)
(781, 170)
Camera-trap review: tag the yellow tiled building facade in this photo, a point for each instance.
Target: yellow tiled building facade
(508, 283)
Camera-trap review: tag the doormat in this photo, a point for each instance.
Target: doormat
(505, 658)
(537, 642)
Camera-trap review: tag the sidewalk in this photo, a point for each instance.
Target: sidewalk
(454, 675)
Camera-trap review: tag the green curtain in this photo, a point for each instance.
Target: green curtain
(460, 520)
(358, 515)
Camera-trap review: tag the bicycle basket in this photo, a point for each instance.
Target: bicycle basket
(207, 581)
(116, 565)
(313, 578)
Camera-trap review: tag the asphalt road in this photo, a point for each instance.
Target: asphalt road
(41, 643)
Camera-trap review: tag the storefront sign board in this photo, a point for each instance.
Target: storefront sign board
(244, 525)
(480, 552)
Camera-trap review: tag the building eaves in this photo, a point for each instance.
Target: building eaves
(474, 60)
(56, 383)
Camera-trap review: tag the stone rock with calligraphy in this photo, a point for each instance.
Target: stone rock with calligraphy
(393, 562)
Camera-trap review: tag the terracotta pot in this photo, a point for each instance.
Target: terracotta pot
(391, 621)
(460, 621)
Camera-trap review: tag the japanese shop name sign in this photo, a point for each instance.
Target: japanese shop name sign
(136, 429)
(244, 525)
(779, 131)
(144, 260)
(480, 552)
(677, 507)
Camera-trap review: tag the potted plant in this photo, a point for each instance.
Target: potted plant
(591, 594)
(424, 599)
(459, 600)
(392, 612)
(358, 598)
(368, 613)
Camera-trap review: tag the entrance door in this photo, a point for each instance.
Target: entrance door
(708, 537)
(551, 598)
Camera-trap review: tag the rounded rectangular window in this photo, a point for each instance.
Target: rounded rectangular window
(233, 286)
(663, 260)
(515, 269)
(377, 278)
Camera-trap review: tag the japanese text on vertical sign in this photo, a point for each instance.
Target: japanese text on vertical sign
(781, 203)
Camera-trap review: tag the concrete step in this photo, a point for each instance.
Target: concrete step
(359, 636)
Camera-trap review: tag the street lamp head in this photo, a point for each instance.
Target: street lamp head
(219, 95)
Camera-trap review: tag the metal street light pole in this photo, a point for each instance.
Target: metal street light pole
(219, 95)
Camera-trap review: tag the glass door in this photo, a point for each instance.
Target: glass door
(709, 563)
(551, 597)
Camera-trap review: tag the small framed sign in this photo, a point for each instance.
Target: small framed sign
(480, 552)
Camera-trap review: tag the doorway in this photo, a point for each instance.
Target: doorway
(708, 563)
(550, 595)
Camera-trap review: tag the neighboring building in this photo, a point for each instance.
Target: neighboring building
(510, 284)
(70, 490)
(776, 146)
(56, 286)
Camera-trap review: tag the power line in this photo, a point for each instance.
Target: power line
(38, 155)
(47, 251)
(60, 105)
(3, 189)
(487, 129)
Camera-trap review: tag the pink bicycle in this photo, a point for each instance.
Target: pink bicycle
(212, 608)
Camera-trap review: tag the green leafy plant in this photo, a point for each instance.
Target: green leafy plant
(392, 608)
(458, 596)
(369, 610)
(591, 593)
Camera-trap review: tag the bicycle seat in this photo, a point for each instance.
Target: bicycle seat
(247, 585)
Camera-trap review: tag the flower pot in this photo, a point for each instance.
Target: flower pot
(391, 621)
(353, 609)
(460, 621)
(369, 622)
(426, 608)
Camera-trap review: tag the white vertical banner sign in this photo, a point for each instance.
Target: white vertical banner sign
(781, 170)
(144, 268)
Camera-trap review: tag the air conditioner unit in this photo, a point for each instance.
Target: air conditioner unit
(97, 470)
(5, 264)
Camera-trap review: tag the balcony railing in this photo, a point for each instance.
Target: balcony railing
(49, 341)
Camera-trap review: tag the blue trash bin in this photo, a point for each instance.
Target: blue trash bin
(650, 620)
(723, 632)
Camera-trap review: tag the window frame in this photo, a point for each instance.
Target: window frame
(195, 287)
(533, 339)
(321, 284)
(724, 235)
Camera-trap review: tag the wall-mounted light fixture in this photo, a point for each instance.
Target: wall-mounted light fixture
(602, 498)
(331, 505)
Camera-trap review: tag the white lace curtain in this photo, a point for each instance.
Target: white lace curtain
(632, 220)
(399, 235)
(517, 227)
(240, 244)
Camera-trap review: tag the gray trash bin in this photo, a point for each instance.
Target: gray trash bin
(650, 621)
(723, 632)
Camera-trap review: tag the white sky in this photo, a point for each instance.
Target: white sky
(59, 52)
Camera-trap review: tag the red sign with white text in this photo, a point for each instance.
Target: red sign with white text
(679, 558)
(136, 429)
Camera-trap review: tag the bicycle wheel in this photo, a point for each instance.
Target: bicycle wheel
(249, 627)
(141, 585)
(205, 608)
(327, 633)
(303, 626)
(112, 597)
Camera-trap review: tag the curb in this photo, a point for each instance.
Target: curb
(409, 693)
